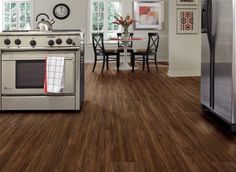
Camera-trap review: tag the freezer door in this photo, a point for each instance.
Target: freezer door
(206, 56)
(223, 29)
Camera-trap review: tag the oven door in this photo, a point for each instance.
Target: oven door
(23, 72)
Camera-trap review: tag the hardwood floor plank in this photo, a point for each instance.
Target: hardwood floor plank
(130, 122)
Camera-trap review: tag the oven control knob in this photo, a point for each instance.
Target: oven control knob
(69, 41)
(7, 41)
(51, 42)
(17, 41)
(59, 41)
(33, 43)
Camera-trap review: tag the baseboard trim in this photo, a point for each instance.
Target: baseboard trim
(183, 73)
(165, 63)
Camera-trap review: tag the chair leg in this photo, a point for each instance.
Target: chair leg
(156, 63)
(107, 61)
(133, 62)
(103, 63)
(131, 59)
(118, 62)
(95, 62)
(147, 63)
(143, 62)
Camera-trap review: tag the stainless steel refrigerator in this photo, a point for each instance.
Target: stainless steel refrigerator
(218, 72)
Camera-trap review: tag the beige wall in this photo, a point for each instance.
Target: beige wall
(77, 18)
(184, 49)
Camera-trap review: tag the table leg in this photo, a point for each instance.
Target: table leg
(125, 65)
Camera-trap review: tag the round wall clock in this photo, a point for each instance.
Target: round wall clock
(61, 11)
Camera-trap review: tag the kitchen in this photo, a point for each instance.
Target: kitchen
(141, 121)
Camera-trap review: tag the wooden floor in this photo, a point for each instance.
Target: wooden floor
(130, 122)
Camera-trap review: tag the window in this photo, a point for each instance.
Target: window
(16, 14)
(102, 14)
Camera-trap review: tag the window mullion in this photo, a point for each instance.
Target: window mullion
(25, 15)
(3, 16)
(105, 21)
(17, 15)
(10, 17)
(99, 15)
(25, 11)
(91, 16)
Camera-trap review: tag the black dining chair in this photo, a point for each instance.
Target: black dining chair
(150, 53)
(102, 54)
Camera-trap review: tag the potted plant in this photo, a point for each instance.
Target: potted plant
(125, 22)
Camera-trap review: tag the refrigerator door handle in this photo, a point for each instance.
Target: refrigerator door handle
(204, 19)
(214, 18)
(211, 47)
(208, 21)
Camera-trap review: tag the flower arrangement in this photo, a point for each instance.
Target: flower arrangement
(125, 22)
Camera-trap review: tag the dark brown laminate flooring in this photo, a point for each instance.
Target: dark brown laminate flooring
(130, 122)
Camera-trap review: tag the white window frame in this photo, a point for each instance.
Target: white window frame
(17, 20)
(105, 16)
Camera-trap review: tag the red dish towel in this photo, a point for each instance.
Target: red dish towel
(54, 75)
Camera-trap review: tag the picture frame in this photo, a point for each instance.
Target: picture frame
(187, 21)
(187, 2)
(149, 15)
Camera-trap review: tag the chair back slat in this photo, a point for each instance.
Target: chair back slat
(98, 42)
(153, 42)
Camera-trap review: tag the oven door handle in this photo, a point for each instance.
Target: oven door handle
(8, 58)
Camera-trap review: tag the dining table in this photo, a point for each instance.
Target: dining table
(125, 66)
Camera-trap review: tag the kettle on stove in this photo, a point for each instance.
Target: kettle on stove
(44, 24)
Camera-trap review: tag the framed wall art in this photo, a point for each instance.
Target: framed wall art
(187, 2)
(187, 20)
(149, 14)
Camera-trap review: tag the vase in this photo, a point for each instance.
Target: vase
(126, 32)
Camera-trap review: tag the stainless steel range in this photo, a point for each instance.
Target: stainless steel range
(22, 74)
